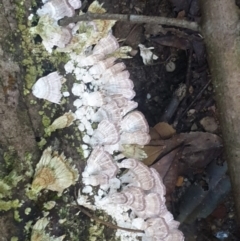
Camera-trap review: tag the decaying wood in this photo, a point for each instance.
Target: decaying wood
(220, 24)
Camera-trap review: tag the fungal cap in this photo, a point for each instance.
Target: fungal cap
(134, 121)
(106, 134)
(95, 99)
(137, 137)
(53, 172)
(100, 67)
(154, 206)
(131, 196)
(159, 187)
(101, 161)
(142, 173)
(76, 4)
(49, 87)
(109, 111)
(95, 180)
(156, 227)
(106, 45)
(56, 9)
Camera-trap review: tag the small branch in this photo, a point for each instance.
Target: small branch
(132, 18)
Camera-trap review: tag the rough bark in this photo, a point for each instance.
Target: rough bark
(18, 149)
(20, 124)
(220, 23)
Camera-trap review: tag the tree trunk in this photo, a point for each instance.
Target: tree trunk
(220, 24)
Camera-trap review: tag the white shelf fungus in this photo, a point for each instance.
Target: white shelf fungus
(104, 93)
(106, 134)
(51, 33)
(134, 121)
(49, 88)
(142, 173)
(106, 45)
(101, 162)
(56, 9)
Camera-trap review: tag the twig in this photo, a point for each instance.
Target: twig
(110, 225)
(132, 18)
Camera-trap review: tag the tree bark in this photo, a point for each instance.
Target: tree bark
(220, 24)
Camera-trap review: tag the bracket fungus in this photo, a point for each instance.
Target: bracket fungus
(103, 97)
(57, 9)
(100, 162)
(141, 172)
(49, 87)
(53, 172)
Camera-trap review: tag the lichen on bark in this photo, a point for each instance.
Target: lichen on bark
(22, 61)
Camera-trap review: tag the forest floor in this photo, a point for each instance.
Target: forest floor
(198, 189)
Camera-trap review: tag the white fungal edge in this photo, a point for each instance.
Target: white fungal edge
(118, 212)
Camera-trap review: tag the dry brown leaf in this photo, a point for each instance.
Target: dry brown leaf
(163, 165)
(200, 149)
(154, 134)
(153, 153)
(165, 130)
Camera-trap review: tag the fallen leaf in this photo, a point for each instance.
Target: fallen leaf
(171, 176)
(153, 153)
(163, 165)
(165, 130)
(200, 148)
(154, 134)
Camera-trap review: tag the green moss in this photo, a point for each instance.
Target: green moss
(26, 92)
(10, 157)
(5, 189)
(46, 121)
(40, 112)
(29, 164)
(49, 205)
(80, 152)
(14, 239)
(8, 183)
(27, 211)
(31, 76)
(17, 216)
(96, 232)
(7, 205)
(31, 193)
(42, 143)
